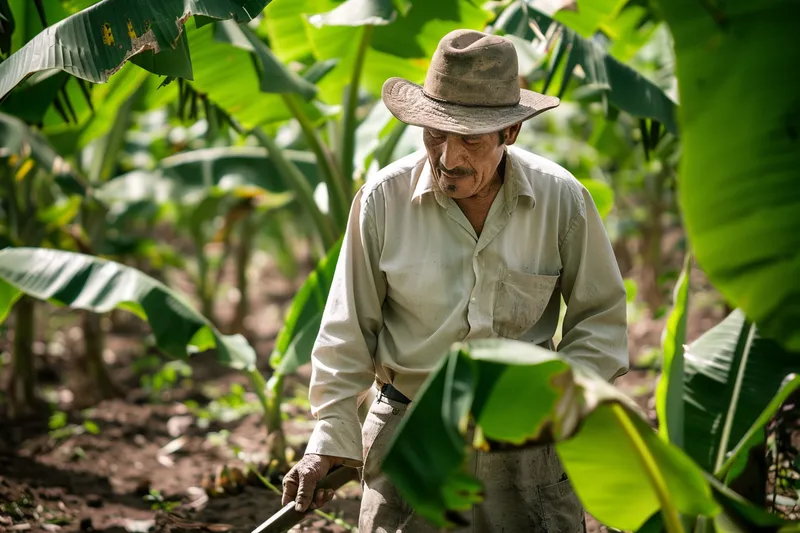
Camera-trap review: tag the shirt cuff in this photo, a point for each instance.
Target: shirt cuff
(337, 438)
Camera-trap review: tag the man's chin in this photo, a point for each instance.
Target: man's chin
(456, 189)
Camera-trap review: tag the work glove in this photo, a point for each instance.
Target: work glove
(300, 483)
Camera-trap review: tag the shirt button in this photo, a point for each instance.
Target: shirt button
(473, 299)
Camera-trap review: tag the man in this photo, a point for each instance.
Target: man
(472, 239)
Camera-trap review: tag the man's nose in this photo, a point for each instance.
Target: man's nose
(452, 154)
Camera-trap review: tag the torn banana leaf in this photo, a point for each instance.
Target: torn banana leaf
(94, 43)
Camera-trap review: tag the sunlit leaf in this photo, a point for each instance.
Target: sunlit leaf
(589, 15)
(239, 96)
(669, 392)
(738, 175)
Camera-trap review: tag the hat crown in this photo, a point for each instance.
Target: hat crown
(472, 68)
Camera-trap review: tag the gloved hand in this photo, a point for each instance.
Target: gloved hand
(301, 481)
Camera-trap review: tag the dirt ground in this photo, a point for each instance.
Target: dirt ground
(154, 444)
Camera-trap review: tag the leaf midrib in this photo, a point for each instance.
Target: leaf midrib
(743, 345)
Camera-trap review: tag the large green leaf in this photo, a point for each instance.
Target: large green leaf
(590, 15)
(669, 392)
(275, 77)
(94, 284)
(402, 48)
(94, 43)
(239, 96)
(583, 16)
(740, 120)
(521, 394)
(731, 374)
(296, 337)
(284, 24)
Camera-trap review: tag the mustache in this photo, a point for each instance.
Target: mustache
(457, 172)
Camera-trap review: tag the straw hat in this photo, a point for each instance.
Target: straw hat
(472, 87)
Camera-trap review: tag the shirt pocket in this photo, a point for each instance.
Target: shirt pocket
(520, 301)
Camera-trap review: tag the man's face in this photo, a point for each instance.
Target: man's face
(464, 165)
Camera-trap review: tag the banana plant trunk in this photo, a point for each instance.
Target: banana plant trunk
(653, 235)
(22, 398)
(92, 363)
(206, 292)
(276, 439)
(270, 396)
(243, 254)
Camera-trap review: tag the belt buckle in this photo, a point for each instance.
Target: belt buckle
(381, 396)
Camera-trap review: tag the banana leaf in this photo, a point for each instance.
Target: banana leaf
(401, 48)
(93, 284)
(189, 177)
(240, 96)
(584, 17)
(520, 394)
(740, 131)
(93, 44)
(731, 375)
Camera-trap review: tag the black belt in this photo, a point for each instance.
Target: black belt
(388, 391)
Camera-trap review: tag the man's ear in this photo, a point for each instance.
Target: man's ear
(511, 133)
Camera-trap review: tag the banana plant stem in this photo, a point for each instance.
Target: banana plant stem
(295, 179)
(260, 388)
(351, 106)
(339, 200)
(672, 518)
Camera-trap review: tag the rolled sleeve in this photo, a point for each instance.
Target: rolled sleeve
(343, 355)
(595, 325)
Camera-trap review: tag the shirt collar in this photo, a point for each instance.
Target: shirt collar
(515, 182)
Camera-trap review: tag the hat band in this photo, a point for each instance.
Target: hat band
(470, 91)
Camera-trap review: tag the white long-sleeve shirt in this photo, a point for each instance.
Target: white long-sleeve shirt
(413, 277)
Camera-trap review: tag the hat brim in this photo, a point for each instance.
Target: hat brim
(408, 102)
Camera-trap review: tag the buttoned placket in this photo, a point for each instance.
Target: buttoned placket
(481, 291)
